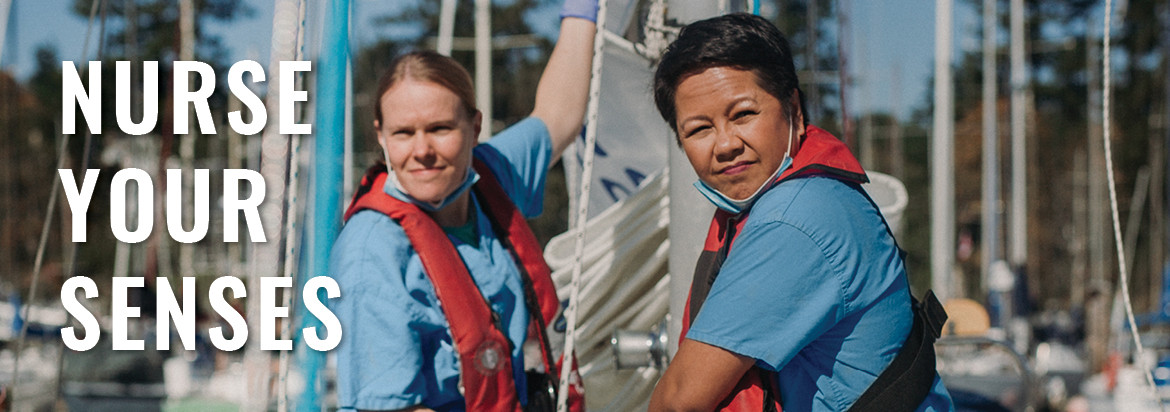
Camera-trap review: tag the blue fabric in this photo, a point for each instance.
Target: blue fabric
(584, 9)
(391, 188)
(397, 351)
(813, 288)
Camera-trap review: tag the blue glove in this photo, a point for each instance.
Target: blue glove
(582, 9)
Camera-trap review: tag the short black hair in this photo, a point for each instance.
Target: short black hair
(739, 40)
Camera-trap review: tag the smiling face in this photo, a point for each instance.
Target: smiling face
(734, 132)
(427, 135)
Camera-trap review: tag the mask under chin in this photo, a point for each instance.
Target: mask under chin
(394, 188)
(737, 206)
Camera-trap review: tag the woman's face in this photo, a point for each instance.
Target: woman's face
(733, 132)
(427, 137)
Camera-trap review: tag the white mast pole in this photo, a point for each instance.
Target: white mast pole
(990, 236)
(1018, 239)
(5, 11)
(483, 65)
(187, 144)
(446, 27)
(942, 214)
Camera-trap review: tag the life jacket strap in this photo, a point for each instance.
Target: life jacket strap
(484, 349)
(907, 381)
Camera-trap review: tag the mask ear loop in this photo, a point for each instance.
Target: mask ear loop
(791, 129)
(788, 152)
(390, 172)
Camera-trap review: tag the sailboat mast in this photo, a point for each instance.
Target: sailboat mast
(332, 72)
(1097, 309)
(1161, 196)
(942, 204)
(483, 65)
(5, 10)
(990, 236)
(446, 27)
(1018, 235)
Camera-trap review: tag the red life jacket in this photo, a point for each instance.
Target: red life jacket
(484, 350)
(820, 153)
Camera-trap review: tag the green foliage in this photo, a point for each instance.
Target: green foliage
(811, 28)
(1059, 38)
(148, 29)
(515, 72)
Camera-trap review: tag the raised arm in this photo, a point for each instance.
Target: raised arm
(563, 91)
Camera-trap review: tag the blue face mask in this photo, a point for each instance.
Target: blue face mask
(737, 206)
(393, 188)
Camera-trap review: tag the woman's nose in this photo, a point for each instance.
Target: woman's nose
(728, 143)
(420, 145)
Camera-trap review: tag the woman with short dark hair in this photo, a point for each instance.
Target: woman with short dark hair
(800, 297)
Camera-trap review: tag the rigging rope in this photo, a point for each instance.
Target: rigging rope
(1124, 272)
(52, 209)
(291, 231)
(583, 205)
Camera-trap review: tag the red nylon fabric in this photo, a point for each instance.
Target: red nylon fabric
(486, 378)
(823, 152)
(523, 240)
(820, 153)
(748, 394)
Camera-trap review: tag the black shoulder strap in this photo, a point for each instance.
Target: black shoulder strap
(906, 382)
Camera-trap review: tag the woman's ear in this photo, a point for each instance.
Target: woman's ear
(378, 135)
(797, 113)
(477, 121)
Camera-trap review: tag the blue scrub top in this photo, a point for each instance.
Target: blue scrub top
(815, 289)
(397, 351)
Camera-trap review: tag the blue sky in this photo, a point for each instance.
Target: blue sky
(891, 58)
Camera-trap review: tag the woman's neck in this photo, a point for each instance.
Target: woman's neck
(456, 213)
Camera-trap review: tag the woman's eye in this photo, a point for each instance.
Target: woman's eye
(698, 130)
(742, 114)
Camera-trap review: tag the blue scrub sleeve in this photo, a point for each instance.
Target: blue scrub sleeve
(520, 157)
(381, 354)
(774, 295)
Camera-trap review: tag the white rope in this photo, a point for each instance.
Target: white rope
(290, 244)
(1124, 271)
(290, 231)
(583, 205)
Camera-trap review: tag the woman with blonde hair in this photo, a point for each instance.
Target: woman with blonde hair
(442, 282)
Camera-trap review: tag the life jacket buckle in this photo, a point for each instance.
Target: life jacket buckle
(933, 313)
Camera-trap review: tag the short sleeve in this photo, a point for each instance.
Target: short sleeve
(375, 307)
(774, 294)
(520, 157)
